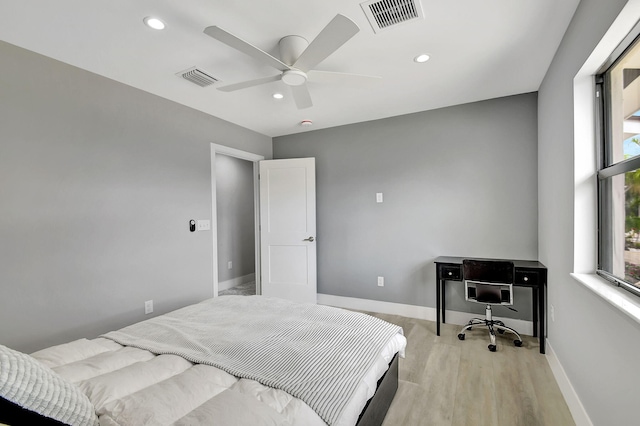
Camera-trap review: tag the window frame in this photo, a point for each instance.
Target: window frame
(606, 167)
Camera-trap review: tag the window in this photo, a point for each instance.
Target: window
(618, 88)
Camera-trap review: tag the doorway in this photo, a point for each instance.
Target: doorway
(234, 221)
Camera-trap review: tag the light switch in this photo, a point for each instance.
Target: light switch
(204, 224)
(378, 197)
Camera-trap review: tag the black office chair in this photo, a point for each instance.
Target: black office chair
(489, 282)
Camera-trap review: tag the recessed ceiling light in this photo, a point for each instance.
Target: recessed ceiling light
(278, 96)
(306, 123)
(421, 58)
(154, 23)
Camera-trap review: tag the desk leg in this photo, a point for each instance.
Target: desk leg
(534, 298)
(438, 290)
(443, 305)
(543, 313)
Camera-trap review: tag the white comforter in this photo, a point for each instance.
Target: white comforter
(131, 386)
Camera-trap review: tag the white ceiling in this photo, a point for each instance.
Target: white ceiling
(480, 49)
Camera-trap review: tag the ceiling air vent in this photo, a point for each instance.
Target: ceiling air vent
(386, 14)
(198, 77)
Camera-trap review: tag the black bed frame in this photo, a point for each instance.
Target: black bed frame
(376, 409)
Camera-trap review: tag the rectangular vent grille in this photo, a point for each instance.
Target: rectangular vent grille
(198, 77)
(384, 14)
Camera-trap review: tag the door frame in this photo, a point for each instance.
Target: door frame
(254, 158)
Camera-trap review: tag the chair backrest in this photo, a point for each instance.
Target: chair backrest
(488, 281)
(494, 271)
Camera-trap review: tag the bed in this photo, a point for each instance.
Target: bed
(230, 360)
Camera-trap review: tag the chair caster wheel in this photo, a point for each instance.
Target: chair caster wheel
(500, 331)
(492, 348)
(518, 343)
(461, 336)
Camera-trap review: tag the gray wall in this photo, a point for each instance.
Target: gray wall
(235, 216)
(97, 184)
(458, 181)
(597, 345)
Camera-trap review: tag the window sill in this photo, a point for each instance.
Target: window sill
(619, 298)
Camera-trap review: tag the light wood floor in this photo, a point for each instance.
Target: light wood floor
(445, 381)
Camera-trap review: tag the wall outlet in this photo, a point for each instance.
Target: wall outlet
(380, 281)
(148, 307)
(552, 313)
(230, 265)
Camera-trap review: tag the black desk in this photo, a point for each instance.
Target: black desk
(528, 273)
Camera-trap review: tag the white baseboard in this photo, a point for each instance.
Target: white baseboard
(580, 416)
(226, 285)
(413, 311)
(410, 311)
(578, 412)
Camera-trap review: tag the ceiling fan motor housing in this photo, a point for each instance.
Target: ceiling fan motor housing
(291, 47)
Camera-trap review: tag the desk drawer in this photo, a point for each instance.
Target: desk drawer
(451, 272)
(531, 278)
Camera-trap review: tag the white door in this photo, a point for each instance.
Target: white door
(288, 229)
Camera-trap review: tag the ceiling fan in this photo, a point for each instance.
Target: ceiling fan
(297, 57)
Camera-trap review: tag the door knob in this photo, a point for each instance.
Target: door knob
(310, 239)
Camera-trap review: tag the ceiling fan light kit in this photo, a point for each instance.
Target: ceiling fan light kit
(294, 77)
(298, 57)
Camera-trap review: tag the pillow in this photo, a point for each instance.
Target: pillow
(32, 393)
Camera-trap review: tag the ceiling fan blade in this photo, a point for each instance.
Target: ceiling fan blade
(335, 34)
(249, 83)
(317, 75)
(244, 47)
(301, 96)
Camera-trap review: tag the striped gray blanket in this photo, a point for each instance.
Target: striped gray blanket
(316, 353)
